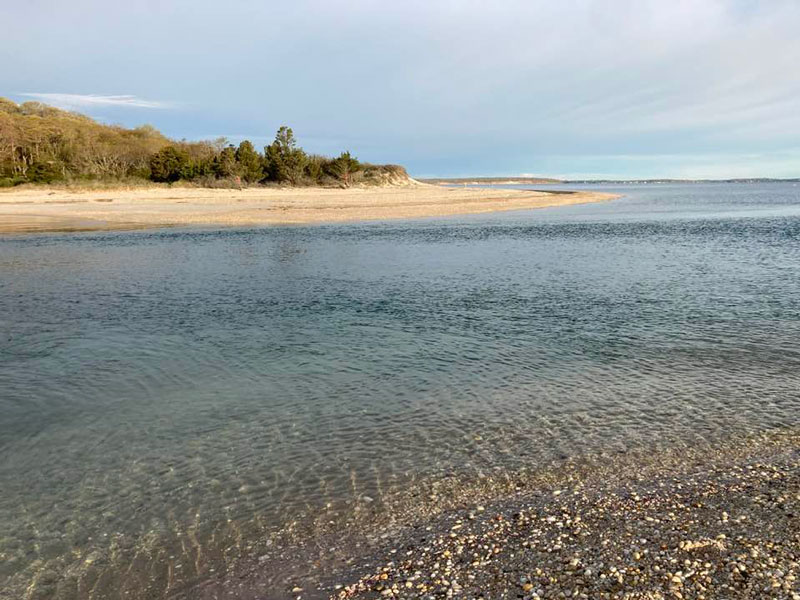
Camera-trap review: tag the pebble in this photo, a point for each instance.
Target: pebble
(668, 535)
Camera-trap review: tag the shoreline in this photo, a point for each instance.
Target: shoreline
(721, 520)
(49, 210)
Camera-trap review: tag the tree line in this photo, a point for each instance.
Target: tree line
(43, 144)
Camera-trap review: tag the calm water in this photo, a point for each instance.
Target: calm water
(167, 397)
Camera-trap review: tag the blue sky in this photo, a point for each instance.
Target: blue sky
(622, 88)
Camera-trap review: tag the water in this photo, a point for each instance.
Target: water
(167, 398)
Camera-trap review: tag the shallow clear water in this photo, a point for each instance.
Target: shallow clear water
(167, 397)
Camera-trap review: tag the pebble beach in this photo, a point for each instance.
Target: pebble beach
(722, 526)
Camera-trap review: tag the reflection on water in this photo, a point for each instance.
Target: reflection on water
(169, 397)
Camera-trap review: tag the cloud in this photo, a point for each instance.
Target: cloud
(441, 86)
(71, 101)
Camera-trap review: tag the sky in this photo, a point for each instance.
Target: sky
(571, 89)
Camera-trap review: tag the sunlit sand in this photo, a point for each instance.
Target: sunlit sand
(47, 209)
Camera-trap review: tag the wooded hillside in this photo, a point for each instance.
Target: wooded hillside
(43, 144)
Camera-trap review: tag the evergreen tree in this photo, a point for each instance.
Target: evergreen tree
(250, 163)
(342, 168)
(225, 163)
(286, 161)
(170, 164)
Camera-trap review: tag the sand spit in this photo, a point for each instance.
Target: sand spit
(34, 210)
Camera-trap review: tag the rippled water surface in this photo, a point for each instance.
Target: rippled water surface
(167, 397)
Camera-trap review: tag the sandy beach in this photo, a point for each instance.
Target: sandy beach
(33, 210)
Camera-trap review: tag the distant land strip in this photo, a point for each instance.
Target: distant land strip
(488, 180)
(546, 180)
(649, 181)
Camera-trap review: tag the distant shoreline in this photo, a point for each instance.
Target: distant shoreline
(545, 180)
(45, 209)
(489, 180)
(669, 181)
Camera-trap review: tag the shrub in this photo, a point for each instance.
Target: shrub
(45, 172)
(343, 167)
(169, 165)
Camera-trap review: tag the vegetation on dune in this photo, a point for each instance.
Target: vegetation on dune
(43, 144)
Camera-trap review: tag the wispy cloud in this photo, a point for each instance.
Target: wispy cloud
(93, 100)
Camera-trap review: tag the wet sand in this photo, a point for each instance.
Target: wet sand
(32, 210)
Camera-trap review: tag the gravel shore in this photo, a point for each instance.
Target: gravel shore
(725, 525)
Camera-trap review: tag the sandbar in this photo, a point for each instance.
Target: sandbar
(46, 209)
